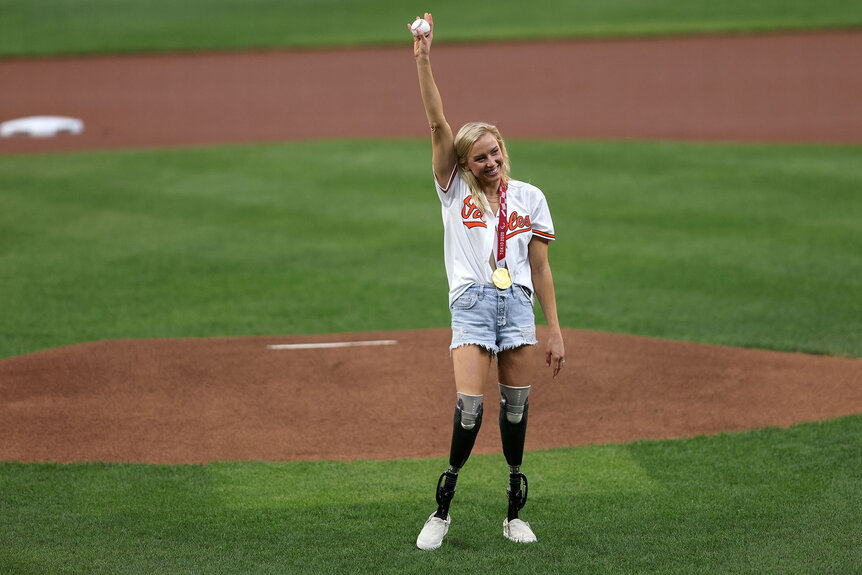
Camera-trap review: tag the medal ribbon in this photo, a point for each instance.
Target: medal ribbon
(501, 228)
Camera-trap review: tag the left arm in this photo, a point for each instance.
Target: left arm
(543, 284)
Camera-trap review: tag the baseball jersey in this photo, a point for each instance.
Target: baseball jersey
(469, 237)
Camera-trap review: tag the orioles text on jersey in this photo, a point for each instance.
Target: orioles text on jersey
(472, 218)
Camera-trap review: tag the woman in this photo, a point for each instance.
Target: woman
(496, 235)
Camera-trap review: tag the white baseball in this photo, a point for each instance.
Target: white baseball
(420, 26)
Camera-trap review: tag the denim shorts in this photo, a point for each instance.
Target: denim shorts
(493, 319)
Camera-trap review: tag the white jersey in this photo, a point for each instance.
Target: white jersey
(469, 237)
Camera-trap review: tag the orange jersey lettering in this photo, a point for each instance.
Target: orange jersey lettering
(518, 225)
(471, 215)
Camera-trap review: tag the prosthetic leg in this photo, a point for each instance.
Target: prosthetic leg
(468, 420)
(465, 428)
(513, 431)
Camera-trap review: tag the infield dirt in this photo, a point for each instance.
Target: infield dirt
(801, 87)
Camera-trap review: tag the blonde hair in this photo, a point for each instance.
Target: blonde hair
(464, 141)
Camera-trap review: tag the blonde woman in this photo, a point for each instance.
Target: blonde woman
(496, 232)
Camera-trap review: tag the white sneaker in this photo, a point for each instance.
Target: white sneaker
(518, 531)
(431, 536)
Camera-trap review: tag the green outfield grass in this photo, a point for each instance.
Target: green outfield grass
(32, 27)
(744, 245)
(762, 502)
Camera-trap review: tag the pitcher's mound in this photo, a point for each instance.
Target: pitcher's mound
(199, 400)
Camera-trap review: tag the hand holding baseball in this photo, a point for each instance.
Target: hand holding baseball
(420, 26)
(422, 40)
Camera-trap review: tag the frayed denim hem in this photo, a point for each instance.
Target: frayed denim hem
(492, 350)
(517, 345)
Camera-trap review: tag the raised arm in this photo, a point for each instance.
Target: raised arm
(442, 139)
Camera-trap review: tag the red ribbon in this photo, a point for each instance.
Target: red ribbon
(501, 226)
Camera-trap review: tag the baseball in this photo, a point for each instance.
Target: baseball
(420, 26)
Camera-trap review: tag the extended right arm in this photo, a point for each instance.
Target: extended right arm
(442, 139)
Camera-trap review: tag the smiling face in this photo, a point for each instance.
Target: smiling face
(482, 160)
(485, 161)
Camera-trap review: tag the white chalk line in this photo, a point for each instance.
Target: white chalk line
(333, 344)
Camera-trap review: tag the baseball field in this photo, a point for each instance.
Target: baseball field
(252, 193)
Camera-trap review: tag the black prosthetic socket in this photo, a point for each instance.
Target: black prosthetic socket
(512, 435)
(463, 439)
(517, 497)
(445, 493)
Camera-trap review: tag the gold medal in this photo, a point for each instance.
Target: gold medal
(501, 278)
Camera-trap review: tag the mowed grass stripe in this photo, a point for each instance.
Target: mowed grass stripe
(768, 501)
(743, 245)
